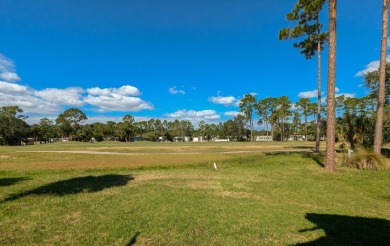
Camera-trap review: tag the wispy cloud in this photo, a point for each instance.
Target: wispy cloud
(194, 116)
(229, 100)
(372, 66)
(308, 94)
(347, 95)
(232, 113)
(174, 91)
(7, 70)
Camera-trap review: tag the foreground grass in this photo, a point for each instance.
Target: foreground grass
(252, 199)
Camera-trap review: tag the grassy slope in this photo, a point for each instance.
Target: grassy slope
(253, 199)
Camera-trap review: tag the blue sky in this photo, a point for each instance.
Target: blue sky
(168, 59)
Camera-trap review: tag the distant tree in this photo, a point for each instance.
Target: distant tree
(330, 163)
(247, 106)
(303, 105)
(13, 128)
(283, 112)
(109, 130)
(202, 128)
(128, 127)
(69, 121)
(46, 129)
(307, 14)
(382, 80)
(239, 124)
(264, 110)
(371, 81)
(296, 122)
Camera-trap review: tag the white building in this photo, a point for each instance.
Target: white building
(263, 138)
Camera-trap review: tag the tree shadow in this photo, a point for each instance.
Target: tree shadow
(317, 157)
(11, 181)
(87, 184)
(133, 239)
(349, 230)
(300, 147)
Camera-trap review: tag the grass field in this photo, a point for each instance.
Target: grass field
(170, 194)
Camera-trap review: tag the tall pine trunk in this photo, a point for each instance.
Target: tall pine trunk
(382, 77)
(318, 96)
(330, 164)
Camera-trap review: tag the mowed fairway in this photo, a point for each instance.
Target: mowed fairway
(169, 194)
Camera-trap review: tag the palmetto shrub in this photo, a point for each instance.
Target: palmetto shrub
(363, 159)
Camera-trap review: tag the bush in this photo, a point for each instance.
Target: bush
(363, 159)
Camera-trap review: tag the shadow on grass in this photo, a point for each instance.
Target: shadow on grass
(11, 181)
(348, 230)
(86, 184)
(317, 157)
(133, 239)
(300, 147)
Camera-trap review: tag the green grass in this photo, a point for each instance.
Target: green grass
(252, 199)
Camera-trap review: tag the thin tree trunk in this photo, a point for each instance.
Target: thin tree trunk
(331, 122)
(382, 76)
(305, 126)
(317, 150)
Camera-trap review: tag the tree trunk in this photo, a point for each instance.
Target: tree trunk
(305, 127)
(317, 149)
(251, 122)
(382, 76)
(330, 164)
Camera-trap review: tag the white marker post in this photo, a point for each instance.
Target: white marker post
(215, 166)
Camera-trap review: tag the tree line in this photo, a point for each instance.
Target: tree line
(278, 117)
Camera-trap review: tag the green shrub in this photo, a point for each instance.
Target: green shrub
(363, 159)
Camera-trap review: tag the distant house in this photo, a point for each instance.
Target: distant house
(198, 139)
(177, 139)
(263, 138)
(217, 139)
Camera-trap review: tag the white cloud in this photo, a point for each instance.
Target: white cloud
(370, 67)
(232, 113)
(173, 91)
(194, 115)
(229, 100)
(347, 95)
(54, 100)
(126, 90)
(12, 88)
(7, 70)
(9, 76)
(69, 96)
(117, 99)
(308, 94)
(29, 103)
